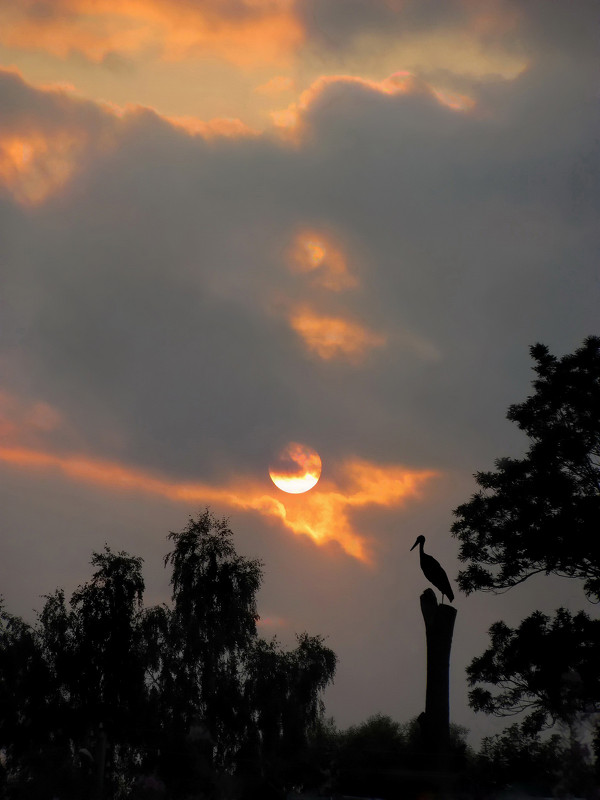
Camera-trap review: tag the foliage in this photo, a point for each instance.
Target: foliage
(549, 668)
(516, 756)
(101, 689)
(377, 743)
(540, 514)
(211, 629)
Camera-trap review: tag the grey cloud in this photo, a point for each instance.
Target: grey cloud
(336, 23)
(148, 298)
(161, 265)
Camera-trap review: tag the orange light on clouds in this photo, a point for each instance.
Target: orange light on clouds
(296, 469)
(276, 85)
(213, 128)
(264, 32)
(39, 155)
(332, 338)
(322, 514)
(314, 252)
(289, 119)
(34, 164)
(454, 100)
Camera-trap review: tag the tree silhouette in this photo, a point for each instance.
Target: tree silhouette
(101, 688)
(547, 668)
(540, 513)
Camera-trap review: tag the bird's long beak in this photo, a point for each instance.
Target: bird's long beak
(414, 545)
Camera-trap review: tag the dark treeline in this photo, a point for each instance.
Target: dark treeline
(103, 697)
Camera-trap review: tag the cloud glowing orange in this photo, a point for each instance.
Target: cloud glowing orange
(334, 337)
(258, 31)
(316, 253)
(33, 164)
(213, 128)
(403, 82)
(323, 514)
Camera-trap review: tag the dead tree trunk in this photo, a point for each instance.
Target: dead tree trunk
(439, 626)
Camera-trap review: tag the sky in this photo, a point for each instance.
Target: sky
(234, 226)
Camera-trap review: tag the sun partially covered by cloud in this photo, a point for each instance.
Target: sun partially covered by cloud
(330, 337)
(244, 32)
(323, 514)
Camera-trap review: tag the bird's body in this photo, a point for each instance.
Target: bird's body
(433, 571)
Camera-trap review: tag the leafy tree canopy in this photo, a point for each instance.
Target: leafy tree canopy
(548, 668)
(540, 513)
(100, 688)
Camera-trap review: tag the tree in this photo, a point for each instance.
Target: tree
(26, 707)
(212, 628)
(517, 757)
(283, 694)
(186, 690)
(254, 702)
(540, 513)
(546, 668)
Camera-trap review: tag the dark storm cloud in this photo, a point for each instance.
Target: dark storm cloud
(335, 23)
(526, 26)
(147, 300)
(160, 330)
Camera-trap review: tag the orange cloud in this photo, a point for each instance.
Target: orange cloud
(21, 419)
(34, 164)
(323, 514)
(334, 337)
(256, 32)
(316, 253)
(40, 151)
(213, 128)
(44, 135)
(276, 85)
(403, 82)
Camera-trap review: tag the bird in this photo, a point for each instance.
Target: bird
(433, 571)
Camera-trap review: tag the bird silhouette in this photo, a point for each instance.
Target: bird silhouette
(433, 570)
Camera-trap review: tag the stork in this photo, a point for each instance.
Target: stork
(433, 571)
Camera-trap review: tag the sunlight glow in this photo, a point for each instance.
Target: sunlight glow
(34, 164)
(266, 32)
(324, 514)
(332, 338)
(316, 253)
(297, 469)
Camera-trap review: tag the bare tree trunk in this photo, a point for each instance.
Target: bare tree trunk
(439, 626)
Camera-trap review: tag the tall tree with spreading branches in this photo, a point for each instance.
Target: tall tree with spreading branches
(541, 514)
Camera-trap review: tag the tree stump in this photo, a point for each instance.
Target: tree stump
(439, 626)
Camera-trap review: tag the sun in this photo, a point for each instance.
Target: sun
(296, 469)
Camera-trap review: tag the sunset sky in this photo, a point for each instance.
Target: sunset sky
(232, 225)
